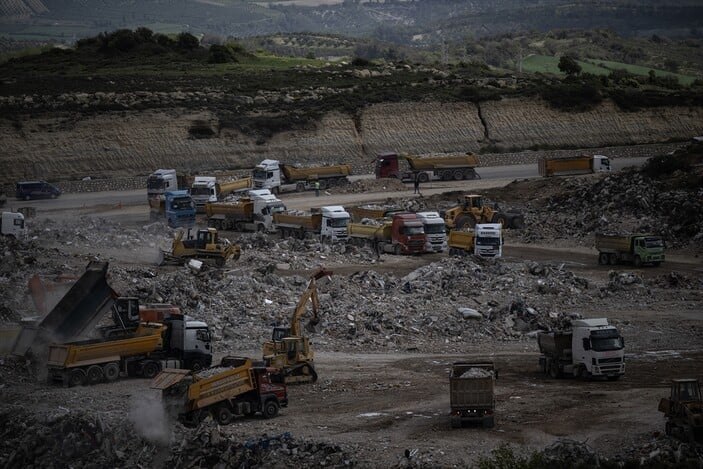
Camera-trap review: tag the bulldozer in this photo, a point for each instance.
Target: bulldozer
(206, 246)
(288, 349)
(684, 410)
(473, 210)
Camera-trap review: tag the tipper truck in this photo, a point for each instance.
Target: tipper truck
(592, 348)
(635, 248)
(404, 234)
(329, 223)
(472, 393)
(12, 224)
(235, 388)
(207, 189)
(279, 177)
(435, 230)
(177, 206)
(573, 165)
(486, 240)
(429, 168)
(176, 342)
(373, 212)
(252, 213)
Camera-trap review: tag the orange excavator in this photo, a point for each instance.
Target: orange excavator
(288, 349)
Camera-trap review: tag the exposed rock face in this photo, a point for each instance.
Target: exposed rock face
(119, 143)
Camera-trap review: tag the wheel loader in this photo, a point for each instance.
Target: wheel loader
(473, 210)
(288, 349)
(206, 246)
(684, 410)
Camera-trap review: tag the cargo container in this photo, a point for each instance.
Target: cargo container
(573, 165)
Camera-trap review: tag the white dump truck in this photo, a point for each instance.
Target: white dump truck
(329, 223)
(436, 231)
(13, 224)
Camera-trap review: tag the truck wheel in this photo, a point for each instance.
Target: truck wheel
(94, 374)
(397, 250)
(603, 258)
(612, 259)
(270, 409)
(111, 371)
(458, 175)
(470, 174)
(554, 370)
(423, 177)
(222, 415)
(150, 370)
(446, 175)
(517, 222)
(455, 422)
(500, 218)
(76, 377)
(300, 187)
(638, 261)
(488, 422)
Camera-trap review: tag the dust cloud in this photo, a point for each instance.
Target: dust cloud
(149, 417)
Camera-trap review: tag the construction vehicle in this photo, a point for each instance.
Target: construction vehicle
(403, 234)
(176, 206)
(164, 180)
(278, 177)
(206, 189)
(288, 349)
(235, 388)
(373, 212)
(638, 249)
(12, 224)
(206, 246)
(435, 231)
(486, 240)
(472, 393)
(176, 342)
(328, 223)
(573, 165)
(424, 169)
(473, 210)
(592, 348)
(684, 410)
(252, 213)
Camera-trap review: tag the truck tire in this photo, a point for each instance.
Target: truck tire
(445, 175)
(502, 219)
(94, 375)
(603, 258)
(423, 177)
(488, 422)
(464, 221)
(470, 174)
(270, 409)
(397, 249)
(222, 415)
(111, 371)
(638, 261)
(150, 369)
(458, 175)
(612, 259)
(76, 377)
(300, 187)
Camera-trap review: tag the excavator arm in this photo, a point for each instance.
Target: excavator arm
(310, 294)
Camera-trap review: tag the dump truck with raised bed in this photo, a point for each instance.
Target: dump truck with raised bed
(373, 212)
(328, 223)
(427, 168)
(206, 246)
(592, 348)
(251, 213)
(573, 165)
(637, 249)
(234, 388)
(279, 177)
(683, 410)
(207, 189)
(403, 234)
(472, 393)
(176, 342)
(486, 240)
(473, 210)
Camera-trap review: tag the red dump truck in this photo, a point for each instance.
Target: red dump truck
(573, 165)
(472, 393)
(235, 388)
(429, 168)
(404, 234)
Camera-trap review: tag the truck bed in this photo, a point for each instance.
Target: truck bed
(471, 385)
(311, 222)
(435, 162)
(555, 344)
(241, 210)
(293, 173)
(613, 242)
(359, 230)
(565, 166)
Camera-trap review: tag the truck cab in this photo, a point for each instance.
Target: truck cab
(204, 190)
(265, 205)
(601, 163)
(267, 175)
(407, 234)
(13, 225)
(598, 348)
(179, 208)
(161, 181)
(387, 165)
(488, 240)
(334, 222)
(435, 230)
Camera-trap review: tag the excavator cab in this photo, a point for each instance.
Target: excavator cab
(685, 390)
(473, 201)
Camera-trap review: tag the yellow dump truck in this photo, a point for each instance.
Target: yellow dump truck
(461, 243)
(235, 388)
(279, 177)
(252, 213)
(373, 212)
(427, 168)
(573, 165)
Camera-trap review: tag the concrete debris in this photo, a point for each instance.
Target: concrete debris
(476, 373)
(571, 453)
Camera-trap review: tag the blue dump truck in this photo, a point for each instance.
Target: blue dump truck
(177, 206)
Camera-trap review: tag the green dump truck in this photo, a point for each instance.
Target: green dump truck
(637, 249)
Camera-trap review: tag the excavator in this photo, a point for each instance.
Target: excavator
(473, 210)
(288, 349)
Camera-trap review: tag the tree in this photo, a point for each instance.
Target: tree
(187, 41)
(569, 66)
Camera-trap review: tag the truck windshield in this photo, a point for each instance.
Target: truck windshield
(653, 242)
(602, 345)
(413, 230)
(182, 203)
(435, 228)
(487, 241)
(277, 208)
(261, 174)
(154, 182)
(200, 191)
(338, 222)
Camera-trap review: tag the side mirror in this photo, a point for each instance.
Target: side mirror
(586, 343)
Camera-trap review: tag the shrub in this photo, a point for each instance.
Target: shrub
(221, 54)
(573, 96)
(360, 62)
(187, 41)
(665, 164)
